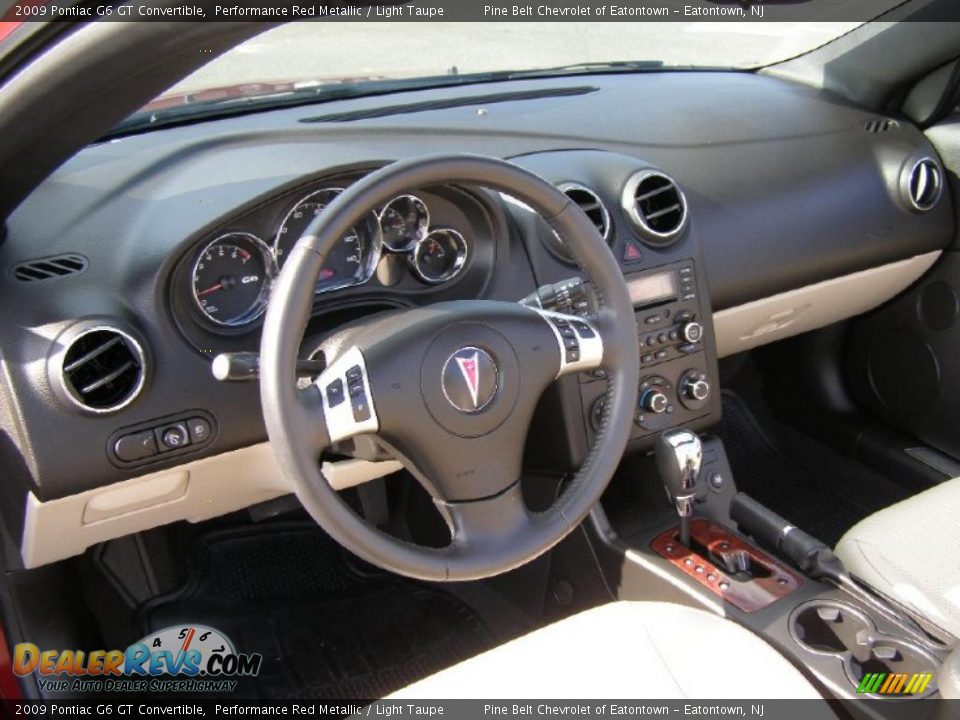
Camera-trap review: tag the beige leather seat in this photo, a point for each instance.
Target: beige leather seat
(631, 650)
(911, 552)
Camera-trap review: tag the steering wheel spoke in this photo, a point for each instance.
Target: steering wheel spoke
(579, 341)
(490, 527)
(343, 396)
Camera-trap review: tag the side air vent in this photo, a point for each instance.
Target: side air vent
(880, 125)
(50, 267)
(656, 206)
(593, 208)
(922, 184)
(101, 369)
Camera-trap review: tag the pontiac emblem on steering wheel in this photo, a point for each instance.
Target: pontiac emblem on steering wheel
(469, 379)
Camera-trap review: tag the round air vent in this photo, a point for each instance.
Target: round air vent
(922, 185)
(593, 207)
(100, 369)
(655, 206)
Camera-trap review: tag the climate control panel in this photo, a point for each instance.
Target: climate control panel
(678, 366)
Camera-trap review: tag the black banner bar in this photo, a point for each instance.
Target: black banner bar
(406, 709)
(578, 11)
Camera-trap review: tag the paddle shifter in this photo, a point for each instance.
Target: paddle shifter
(679, 456)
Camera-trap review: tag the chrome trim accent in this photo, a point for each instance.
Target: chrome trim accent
(270, 267)
(628, 202)
(369, 264)
(607, 223)
(462, 255)
(424, 232)
(132, 344)
(932, 172)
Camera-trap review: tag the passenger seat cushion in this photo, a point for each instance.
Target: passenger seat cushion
(909, 551)
(625, 650)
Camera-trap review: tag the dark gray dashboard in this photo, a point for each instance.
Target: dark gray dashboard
(785, 187)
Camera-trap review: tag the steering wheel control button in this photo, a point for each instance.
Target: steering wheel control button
(136, 446)
(361, 408)
(346, 377)
(585, 330)
(469, 378)
(335, 393)
(173, 437)
(580, 345)
(199, 430)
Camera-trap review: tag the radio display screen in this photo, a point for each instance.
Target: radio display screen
(653, 288)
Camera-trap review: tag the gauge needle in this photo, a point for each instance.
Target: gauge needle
(203, 293)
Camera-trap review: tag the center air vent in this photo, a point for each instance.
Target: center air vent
(593, 207)
(923, 184)
(656, 206)
(102, 369)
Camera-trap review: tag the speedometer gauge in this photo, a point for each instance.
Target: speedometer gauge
(351, 261)
(440, 256)
(232, 277)
(404, 222)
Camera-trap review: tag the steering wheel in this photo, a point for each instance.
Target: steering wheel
(450, 389)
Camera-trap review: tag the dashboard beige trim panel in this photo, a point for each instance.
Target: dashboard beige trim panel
(206, 488)
(815, 306)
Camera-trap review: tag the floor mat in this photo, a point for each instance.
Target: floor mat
(822, 493)
(327, 628)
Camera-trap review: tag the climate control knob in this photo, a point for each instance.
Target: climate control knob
(654, 401)
(694, 390)
(692, 331)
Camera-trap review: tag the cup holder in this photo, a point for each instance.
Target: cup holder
(847, 633)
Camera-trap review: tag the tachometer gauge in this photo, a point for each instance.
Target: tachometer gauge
(440, 256)
(352, 260)
(404, 222)
(232, 278)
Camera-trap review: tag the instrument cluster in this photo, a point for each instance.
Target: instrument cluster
(233, 274)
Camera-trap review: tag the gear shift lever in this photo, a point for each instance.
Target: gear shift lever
(679, 456)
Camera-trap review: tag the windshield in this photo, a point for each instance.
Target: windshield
(368, 57)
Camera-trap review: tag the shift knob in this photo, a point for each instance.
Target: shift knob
(679, 457)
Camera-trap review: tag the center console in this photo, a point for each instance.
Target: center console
(739, 558)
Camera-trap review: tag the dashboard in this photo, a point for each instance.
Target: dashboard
(143, 258)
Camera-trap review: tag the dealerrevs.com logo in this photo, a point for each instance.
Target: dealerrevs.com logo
(192, 658)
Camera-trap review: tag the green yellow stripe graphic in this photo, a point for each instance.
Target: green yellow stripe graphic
(894, 683)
